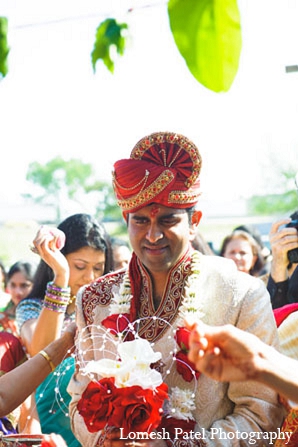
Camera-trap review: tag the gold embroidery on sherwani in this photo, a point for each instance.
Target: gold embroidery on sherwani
(167, 311)
(101, 293)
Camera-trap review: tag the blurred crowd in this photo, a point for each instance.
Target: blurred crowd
(79, 251)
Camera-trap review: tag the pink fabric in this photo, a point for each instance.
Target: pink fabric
(283, 312)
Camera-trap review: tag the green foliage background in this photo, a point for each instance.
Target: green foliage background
(207, 34)
(4, 49)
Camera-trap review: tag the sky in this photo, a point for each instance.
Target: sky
(51, 102)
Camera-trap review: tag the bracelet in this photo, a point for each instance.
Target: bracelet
(48, 359)
(56, 298)
(58, 291)
(54, 307)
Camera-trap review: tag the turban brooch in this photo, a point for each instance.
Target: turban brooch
(163, 168)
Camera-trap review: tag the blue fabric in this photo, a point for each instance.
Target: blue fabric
(26, 310)
(6, 426)
(53, 400)
(52, 406)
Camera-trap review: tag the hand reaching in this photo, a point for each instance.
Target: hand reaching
(225, 353)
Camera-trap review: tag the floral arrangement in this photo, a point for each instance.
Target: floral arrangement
(130, 393)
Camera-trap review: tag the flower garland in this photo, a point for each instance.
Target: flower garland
(181, 402)
(121, 301)
(190, 309)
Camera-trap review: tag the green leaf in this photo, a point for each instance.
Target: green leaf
(4, 49)
(109, 37)
(208, 36)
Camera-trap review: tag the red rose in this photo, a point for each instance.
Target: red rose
(95, 404)
(169, 424)
(182, 338)
(138, 409)
(185, 367)
(116, 322)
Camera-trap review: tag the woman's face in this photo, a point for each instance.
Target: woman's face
(19, 286)
(241, 252)
(85, 265)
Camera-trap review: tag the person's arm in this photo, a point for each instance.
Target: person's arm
(278, 292)
(47, 244)
(228, 354)
(18, 384)
(29, 422)
(282, 239)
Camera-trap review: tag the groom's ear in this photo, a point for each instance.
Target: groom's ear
(196, 217)
(195, 220)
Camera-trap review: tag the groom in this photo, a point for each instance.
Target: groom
(158, 189)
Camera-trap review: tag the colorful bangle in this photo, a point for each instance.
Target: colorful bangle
(54, 307)
(48, 359)
(56, 298)
(57, 291)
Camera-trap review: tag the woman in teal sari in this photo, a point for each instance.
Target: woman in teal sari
(72, 255)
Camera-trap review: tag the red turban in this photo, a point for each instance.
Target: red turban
(163, 168)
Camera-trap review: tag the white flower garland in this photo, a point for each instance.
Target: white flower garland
(120, 303)
(190, 306)
(181, 402)
(189, 309)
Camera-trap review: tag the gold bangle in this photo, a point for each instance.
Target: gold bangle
(48, 359)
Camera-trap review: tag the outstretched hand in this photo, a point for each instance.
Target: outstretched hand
(225, 353)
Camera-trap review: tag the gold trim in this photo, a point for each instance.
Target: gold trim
(183, 196)
(173, 138)
(148, 194)
(143, 180)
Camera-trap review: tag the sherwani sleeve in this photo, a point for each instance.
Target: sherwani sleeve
(246, 407)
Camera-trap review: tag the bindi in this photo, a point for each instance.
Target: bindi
(154, 210)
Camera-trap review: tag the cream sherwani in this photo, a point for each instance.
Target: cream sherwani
(225, 296)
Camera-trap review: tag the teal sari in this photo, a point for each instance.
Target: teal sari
(52, 401)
